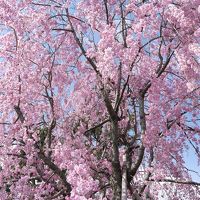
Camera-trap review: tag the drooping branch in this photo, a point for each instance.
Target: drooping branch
(81, 45)
(177, 181)
(16, 37)
(106, 8)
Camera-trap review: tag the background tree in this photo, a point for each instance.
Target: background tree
(99, 99)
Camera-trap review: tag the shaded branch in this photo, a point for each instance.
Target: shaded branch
(97, 126)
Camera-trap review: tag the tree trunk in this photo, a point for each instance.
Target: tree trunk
(116, 168)
(124, 176)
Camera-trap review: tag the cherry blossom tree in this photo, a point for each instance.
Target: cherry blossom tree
(99, 99)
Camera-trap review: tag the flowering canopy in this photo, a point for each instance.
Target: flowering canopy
(99, 99)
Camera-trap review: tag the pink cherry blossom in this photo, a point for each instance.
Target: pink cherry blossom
(99, 99)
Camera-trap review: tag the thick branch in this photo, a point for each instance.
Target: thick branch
(55, 169)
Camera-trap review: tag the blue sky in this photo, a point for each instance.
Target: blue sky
(191, 163)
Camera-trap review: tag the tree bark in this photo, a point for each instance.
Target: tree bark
(124, 176)
(116, 168)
